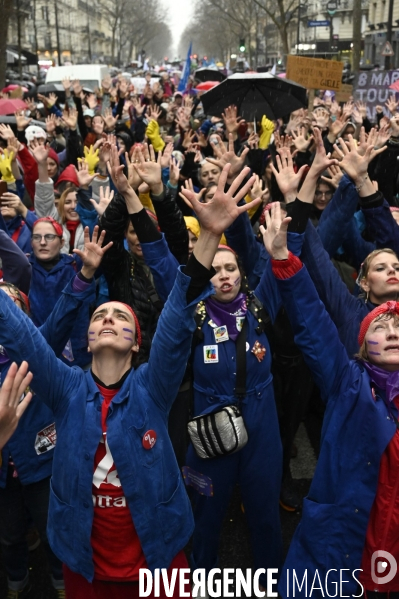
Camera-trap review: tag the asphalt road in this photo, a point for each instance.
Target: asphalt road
(234, 547)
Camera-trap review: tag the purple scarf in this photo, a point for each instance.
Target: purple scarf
(387, 381)
(226, 313)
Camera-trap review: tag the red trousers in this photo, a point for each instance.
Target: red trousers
(77, 587)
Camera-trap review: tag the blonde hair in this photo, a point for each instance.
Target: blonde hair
(368, 260)
(61, 202)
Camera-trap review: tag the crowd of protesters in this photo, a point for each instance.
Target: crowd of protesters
(162, 268)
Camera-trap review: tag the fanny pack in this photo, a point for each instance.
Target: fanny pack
(223, 432)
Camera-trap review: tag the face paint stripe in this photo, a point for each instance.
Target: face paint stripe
(373, 342)
(128, 330)
(374, 353)
(128, 338)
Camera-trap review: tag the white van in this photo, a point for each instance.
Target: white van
(89, 75)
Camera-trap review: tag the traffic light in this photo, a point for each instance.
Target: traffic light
(242, 44)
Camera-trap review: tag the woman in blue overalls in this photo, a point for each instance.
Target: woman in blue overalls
(257, 466)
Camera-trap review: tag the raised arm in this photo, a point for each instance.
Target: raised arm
(172, 342)
(315, 333)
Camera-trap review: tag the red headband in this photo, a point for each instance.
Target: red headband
(136, 321)
(48, 219)
(387, 308)
(227, 248)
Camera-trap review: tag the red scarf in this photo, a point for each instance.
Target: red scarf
(72, 225)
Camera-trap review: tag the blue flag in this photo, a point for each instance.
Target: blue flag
(186, 71)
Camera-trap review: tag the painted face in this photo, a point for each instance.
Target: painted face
(112, 326)
(46, 250)
(382, 280)
(209, 174)
(11, 294)
(227, 280)
(192, 240)
(70, 204)
(52, 168)
(133, 242)
(382, 342)
(322, 196)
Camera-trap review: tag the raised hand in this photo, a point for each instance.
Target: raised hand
(228, 156)
(77, 88)
(149, 169)
(221, 211)
(259, 190)
(66, 83)
(275, 233)
(166, 155)
(188, 138)
(91, 101)
(70, 118)
(300, 139)
(51, 123)
(321, 160)
(287, 179)
(21, 120)
(392, 105)
(188, 185)
(93, 252)
(174, 172)
(335, 176)
(109, 119)
(106, 196)
(133, 177)
(39, 151)
(153, 113)
(106, 84)
(253, 141)
(12, 200)
(352, 162)
(11, 408)
(51, 100)
(231, 120)
(91, 158)
(83, 174)
(115, 169)
(6, 132)
(6, 159)
(138, 106)
(321, 117)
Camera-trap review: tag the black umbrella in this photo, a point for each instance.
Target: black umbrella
(209, 74)
(255, 94)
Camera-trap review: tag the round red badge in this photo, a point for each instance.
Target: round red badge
(149, 439)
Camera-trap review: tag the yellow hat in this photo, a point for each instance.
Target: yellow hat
(193, 225)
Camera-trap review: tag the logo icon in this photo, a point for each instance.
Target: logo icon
(381, 567)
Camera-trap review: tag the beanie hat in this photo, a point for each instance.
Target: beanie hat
(387, 308)
(34, 132)
(192, 225)
(54, 156)
(48, 219)
(68, 174)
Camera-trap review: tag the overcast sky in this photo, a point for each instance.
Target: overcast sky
(180, 12)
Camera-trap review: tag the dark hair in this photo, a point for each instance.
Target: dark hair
(244, 282)
(21, 297)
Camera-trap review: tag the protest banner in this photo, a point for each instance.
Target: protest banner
(315, 73)
(345, 94)
(373, 87)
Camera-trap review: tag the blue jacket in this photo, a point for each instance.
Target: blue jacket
(151, 480)
(30, 446)
(10, 226)
(356, 431)
(345, 310)
(46, 287)
(382, 226)
(338, 224)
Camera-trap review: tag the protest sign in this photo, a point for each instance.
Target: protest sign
(315, 73)
(373, 87)
(345, 94)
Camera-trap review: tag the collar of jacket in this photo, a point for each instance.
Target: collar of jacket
(64, 259)
(93, 390)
